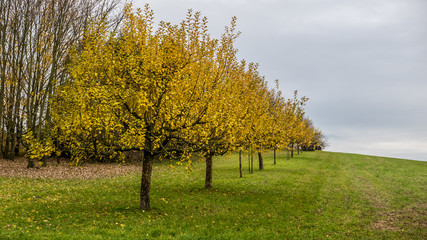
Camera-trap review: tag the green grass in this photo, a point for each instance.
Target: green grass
(316, 195)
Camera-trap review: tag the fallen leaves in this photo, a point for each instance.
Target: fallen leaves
(18, 168)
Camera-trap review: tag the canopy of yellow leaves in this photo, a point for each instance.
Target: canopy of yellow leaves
(169, 92)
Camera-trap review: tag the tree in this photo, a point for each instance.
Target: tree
(276, 137)
(35, 37)
(140, 89)
(313, 138)
(255, 118)
(294, 120)
(221, 120)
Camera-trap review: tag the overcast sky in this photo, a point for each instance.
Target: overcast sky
(362, 63)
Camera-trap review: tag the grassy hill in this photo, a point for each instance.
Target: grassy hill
(316, 195)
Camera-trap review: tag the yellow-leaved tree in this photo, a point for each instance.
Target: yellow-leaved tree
(217, 135)
(255, 106)
(277, 132)
(141, 89)
(294, 122)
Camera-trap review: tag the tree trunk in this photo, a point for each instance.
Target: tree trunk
(18, 138)
(7, 145)
(208, 179)
(43, 162)
(292, 150)
(249, 162)
(240, 163)
(274, 156)
(261, 161)
(12, 144)
(147, 167)
(298, 150)
(252, 162)
(30, 163)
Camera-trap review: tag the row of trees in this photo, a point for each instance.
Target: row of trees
(167, 91)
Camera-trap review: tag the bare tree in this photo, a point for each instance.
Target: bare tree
(35, 39)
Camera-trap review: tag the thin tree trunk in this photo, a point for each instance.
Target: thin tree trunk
(240, 163)
(2, 77)
(292, 150)
(261, 161)
(2, 126)
(274, 156)
(208, 179)
(147, 167)
(30, 163)
(8, 140)
(12, 142)
(43, 162)
(18, 137)
(249, 162)
(252, 162)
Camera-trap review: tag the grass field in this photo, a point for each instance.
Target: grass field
(316, 195)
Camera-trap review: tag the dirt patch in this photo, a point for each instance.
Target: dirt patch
(385, 224)
(387, 220)
(63, 170)
(413, 216)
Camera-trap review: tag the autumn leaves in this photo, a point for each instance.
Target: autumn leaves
(169, 91)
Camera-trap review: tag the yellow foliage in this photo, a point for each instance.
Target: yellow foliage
(168, 92)
(35, 149)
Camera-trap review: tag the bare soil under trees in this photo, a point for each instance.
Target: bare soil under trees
(63, 170)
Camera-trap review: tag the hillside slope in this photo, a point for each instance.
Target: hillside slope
(316, 195)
